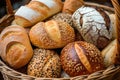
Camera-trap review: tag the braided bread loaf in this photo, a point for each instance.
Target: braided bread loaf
(35, 11)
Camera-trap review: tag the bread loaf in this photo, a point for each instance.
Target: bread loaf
(63, 17)
(94, 25)
(112, 17)
(35, 11)
(44, 63)
(51, 34)
(67, 18)
(70, 6)
(15, 47)
(111, 53)
(81, 58)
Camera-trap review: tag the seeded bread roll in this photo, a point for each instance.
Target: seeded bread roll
(45, 63)
(51, 34)
(15, 47)
(81, 58)
(94, 25)
(35, 11)
(63, 17)
(67, 18)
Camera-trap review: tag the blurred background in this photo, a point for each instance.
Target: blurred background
(15, 3)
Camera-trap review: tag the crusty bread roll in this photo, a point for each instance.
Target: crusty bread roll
(94, 25)
(15, 47)
(51, 34)
(70, 6)
(111, 54)
(36, 10)
(44, 63)
(63, 17)
(67, 18)
(81, 58)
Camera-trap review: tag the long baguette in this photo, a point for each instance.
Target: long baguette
(35, 11)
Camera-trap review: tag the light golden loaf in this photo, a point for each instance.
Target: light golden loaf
(51, 34)
(15, 47)
(35, 11)
(111, 54)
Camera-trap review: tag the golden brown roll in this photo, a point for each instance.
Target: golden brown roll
(15, 47)
(67, 18)
(63, 17)
(70, 6)
(35, 11)
(81, 58)
(45, 63)
(51, 34)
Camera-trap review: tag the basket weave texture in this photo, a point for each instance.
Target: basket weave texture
(111, 73)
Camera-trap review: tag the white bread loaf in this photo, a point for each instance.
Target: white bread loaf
(35, 11)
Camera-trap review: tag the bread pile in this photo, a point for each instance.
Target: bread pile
(55, 39)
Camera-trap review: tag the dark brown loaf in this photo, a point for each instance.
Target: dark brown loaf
(80, 58)
(51, 34)
(45, 63)
(15, 47)
(94, 25)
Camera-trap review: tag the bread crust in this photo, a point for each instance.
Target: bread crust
(81, 58)
(51, 34)
(15, 46)
(35, 11)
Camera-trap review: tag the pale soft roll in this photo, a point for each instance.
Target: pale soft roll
(35, 11)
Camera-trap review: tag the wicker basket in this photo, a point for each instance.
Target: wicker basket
(111, 73)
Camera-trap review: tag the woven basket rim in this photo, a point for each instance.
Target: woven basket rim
(111, 69)
(11, 72)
